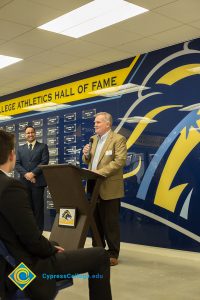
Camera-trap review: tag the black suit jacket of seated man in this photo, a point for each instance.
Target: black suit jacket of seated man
(20, 234)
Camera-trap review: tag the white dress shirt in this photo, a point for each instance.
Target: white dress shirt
(33, 144)
(99, 148)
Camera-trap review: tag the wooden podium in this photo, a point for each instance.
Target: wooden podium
(65, 183)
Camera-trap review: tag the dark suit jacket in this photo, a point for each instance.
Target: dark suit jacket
(20, 234)
(28, 161)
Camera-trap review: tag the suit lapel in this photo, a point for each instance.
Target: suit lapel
(108, 140)
(36, 145)
(34, 151)
(26, 150)
(95, 141)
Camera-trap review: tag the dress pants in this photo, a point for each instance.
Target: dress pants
(95, 261)
(36, 196)
(106, 216)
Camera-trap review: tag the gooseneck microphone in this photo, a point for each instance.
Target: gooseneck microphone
(90, 146)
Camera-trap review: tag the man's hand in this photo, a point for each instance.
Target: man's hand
(86, 149)
(30, 176)
(33, 180)
(60, 249)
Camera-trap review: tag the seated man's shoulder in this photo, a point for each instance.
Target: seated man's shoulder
(10, 185)
(12, 182)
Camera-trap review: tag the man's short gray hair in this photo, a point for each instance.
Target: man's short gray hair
(107, 117)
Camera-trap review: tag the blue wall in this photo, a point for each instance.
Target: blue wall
(160, 118)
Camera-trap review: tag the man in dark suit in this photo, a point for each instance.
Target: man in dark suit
(20, 234)
(29, 157)
(107, 157)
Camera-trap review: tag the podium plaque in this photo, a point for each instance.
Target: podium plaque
(65, 183)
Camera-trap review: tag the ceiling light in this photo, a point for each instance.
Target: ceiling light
(93, 16)
(8, 60)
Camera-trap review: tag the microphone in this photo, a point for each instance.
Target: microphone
(90, 146)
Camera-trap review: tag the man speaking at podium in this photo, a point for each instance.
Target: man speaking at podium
(106, 155)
